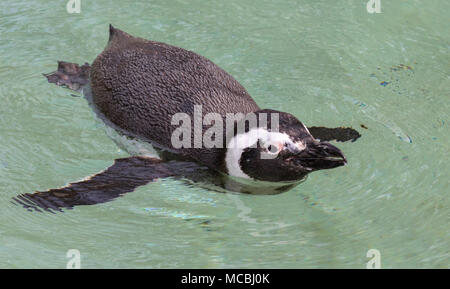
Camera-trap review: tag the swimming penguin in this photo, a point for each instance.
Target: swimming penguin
(139, 87)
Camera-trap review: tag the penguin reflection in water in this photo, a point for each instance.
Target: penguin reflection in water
(136, 86)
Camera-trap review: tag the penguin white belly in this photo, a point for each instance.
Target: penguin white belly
(133, 145)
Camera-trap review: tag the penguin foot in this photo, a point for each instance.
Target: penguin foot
(69, 75)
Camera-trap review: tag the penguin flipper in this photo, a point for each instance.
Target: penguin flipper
(124, 176)
(340, 134)
(70, 75)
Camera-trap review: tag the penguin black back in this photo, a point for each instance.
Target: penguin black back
(140, 84)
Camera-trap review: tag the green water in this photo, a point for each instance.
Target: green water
(329, 63)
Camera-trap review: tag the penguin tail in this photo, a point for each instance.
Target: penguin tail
(70, 75)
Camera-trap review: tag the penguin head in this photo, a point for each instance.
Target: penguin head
(286, 152)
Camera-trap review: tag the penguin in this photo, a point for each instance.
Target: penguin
(137, 87)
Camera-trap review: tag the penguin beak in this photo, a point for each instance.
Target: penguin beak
(321, 155)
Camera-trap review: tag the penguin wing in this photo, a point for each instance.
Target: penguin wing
(341, 134)
(124, 176)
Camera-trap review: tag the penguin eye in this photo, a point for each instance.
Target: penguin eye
(274, 149)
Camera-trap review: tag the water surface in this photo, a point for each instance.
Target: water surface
(329, 63)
